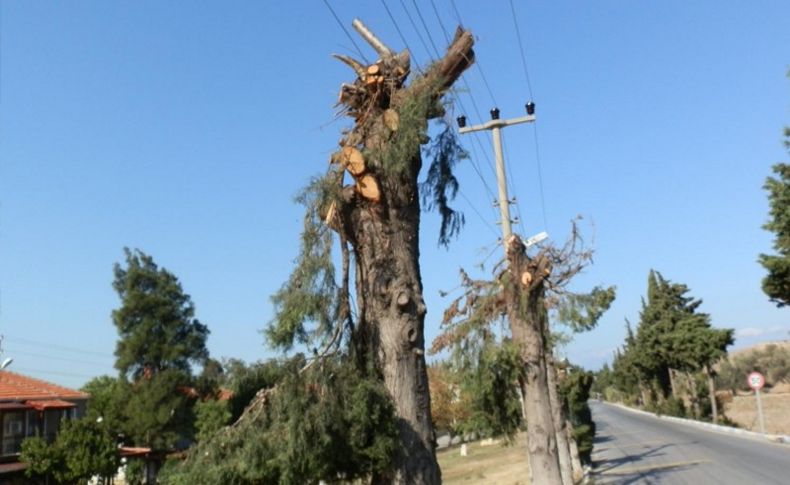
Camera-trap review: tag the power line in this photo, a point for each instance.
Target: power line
(52, 357)
(540, 175)
(447, 38)
(488, 224)
(397, 27)
(534, 125)
(416, 29)
(425, 26)
(457, 14)
(452, 92)
(441, 24)
(63, 348)
(521, 48)
(348, 34)
(53, 372)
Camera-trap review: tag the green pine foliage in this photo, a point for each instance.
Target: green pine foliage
(582, 311)
(776, 283)
(441, 186)
(329, 422)
(575, 389)
(396, 156)
(157, 410)
(156, 321)
(672, 334)
(107, 402)
(210, 416)
(159, 341)
(83, 448)
(245, 380)
(489, 376)
(311, 294)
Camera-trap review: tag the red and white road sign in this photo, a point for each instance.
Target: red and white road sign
(756, 381)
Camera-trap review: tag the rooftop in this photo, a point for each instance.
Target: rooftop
(16, 387)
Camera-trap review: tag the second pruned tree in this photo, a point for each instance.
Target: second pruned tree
(532, 286)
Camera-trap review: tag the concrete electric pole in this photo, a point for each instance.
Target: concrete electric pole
(496, 125)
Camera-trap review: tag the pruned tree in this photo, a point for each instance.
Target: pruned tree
(368, 203)
(525, 291)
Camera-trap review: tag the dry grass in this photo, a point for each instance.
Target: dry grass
(494, 464)
(776, 411)
(782, 344)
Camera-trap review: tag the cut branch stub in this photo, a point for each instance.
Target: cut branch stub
(373, 70)
(354, 64)
(371, 39)
(353, 160)
(391, 119)
(368, 187)
(526, 278)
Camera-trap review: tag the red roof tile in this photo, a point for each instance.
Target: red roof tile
(16, 387)
(50, 404)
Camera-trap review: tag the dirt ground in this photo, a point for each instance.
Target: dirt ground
(493, 464)
(776, 411)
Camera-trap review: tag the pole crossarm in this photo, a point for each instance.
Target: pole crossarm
(497, 124)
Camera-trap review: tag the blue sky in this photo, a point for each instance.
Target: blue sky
(184, 129)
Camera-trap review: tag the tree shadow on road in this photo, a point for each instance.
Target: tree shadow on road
(602, 466)
(649, 474)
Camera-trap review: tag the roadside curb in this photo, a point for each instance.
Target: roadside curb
(775, 438)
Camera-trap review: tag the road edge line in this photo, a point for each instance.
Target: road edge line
(773, 438)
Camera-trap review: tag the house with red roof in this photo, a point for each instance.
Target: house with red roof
(32, 407)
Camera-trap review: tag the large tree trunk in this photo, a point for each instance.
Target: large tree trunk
(714, 406)
(692, 386)
(560, 421)
(526, 312)
(382, 227)
(673, 383)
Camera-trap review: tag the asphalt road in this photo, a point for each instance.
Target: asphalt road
(636, 448)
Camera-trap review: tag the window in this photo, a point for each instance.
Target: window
(13, 432)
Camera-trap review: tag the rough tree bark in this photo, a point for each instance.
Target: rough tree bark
(693, 394)
(560, 421)
(714, 406)
(524, 296)
(383, 235)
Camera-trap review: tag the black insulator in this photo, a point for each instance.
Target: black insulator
(461, 121)
(530, 108)
(495, 114)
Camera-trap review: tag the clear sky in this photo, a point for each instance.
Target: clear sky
(185, 128)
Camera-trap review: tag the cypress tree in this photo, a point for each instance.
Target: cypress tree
(776, 284)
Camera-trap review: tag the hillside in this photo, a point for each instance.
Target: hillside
(756, 347)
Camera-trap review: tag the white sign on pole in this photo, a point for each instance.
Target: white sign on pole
(757, 381)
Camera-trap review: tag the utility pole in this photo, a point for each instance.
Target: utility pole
(547, 442)
(496, 125)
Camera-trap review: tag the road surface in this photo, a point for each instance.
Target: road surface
(636, 448)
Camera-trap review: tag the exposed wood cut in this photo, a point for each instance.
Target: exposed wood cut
(391, 119)
(353, 160)
(330, 213)
(368, 188)
(374, 69)
(526, 278)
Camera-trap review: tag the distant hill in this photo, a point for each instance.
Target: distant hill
(762, 345)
